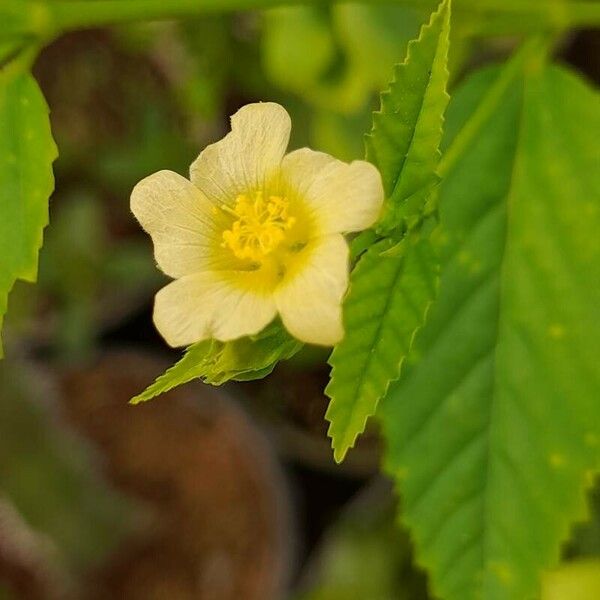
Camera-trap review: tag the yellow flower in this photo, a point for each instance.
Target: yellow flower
(255, 234)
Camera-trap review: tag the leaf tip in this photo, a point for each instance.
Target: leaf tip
(339, 453)
(445, 7)
(144, 396)
(339, 443)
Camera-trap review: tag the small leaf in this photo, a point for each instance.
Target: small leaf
(387, 302)
(217, 362)
(191, 366)
(393, 285)
(494, 430)
(252, 357)
(404, 142)
(27, 151)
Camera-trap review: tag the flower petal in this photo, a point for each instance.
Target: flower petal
(178, 217)
(344, 197)
(310, 304)
(202, 306)
(246, 157)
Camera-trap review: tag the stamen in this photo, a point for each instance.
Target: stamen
(259, 227)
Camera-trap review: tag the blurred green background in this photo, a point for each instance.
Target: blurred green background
(203, 493)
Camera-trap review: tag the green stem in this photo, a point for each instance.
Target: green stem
(61, 15)
(75, 14)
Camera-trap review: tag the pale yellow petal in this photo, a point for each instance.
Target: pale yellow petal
(179, 219)
(246, 157)
(202, 306)
(310, 304)
(343, 196)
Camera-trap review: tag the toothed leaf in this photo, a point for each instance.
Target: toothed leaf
(389, 294)
(493, 432)
(387, 302)
(27, 151)
(218, 362)
(407, 130)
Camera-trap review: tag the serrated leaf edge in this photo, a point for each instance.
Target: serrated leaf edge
(444, 7)
(29, 273)
(341, 449)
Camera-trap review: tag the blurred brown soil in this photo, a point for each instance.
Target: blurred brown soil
(220, 528)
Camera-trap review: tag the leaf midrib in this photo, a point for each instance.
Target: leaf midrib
(370, 354)
(492, 423)
(398, 177)
(485, 109)
(494, 95)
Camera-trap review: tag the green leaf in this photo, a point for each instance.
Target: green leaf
(252, 357)
(404, 142)
(387, 302)
(394, 283)
(217, 362)
(191, 366)
(27, 151)
(494, 429)
(578, 580)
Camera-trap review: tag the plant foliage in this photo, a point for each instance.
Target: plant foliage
(27, 151)
(493, 432)
(407, 130)
(495, 427)
(393, 285)
(217, 362)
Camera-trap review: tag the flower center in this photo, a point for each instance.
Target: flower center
(259, 227)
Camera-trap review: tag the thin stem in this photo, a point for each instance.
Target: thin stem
(61, 15)
(75, 14)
